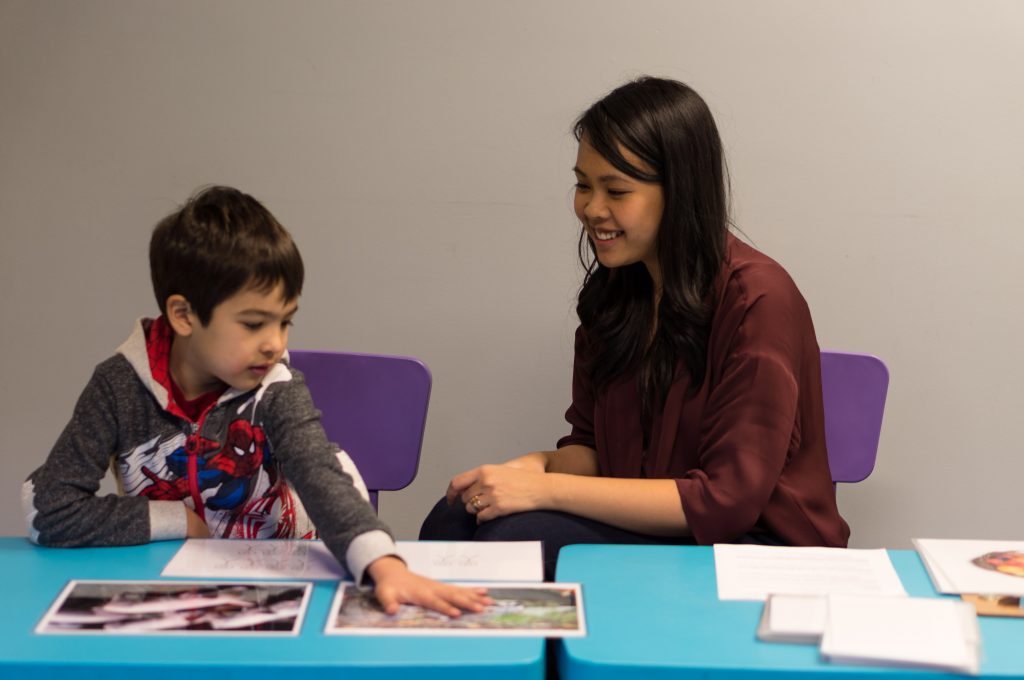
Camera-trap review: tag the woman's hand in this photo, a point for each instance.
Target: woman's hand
(394, 584)
(535, 461)
(491, 491)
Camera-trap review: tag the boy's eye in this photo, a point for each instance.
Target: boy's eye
(253, 325)
(287, 323)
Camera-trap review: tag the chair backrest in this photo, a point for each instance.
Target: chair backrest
(854, 387)
(374, 407)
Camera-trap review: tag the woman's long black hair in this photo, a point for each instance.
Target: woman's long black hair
(669, 127)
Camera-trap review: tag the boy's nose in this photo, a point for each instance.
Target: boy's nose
(274, 344)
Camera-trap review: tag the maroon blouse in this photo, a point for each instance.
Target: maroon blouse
(747, 451)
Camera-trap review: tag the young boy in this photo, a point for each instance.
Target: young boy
(207, 432)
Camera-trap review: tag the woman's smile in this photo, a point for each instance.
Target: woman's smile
(605, 236)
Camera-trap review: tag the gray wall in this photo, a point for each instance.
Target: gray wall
(419, 152)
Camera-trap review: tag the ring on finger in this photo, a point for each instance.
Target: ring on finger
(475, 502)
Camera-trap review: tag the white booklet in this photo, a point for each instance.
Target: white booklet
(974, 566)
(297, 559)
(753, 572)
(936, 633)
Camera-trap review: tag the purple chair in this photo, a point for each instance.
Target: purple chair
(374, 407)
(854, 388)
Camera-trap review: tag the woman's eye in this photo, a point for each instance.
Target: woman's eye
(616, 193)
(580, 186)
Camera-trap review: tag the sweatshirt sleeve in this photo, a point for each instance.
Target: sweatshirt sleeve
(59, 498)
(344, 519)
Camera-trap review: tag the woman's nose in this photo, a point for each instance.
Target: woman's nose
(595, 209)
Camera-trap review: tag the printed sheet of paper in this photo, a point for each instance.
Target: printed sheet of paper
(974, 566)
(443, 560)
(753, 572)
(177, 608)
(519, 610)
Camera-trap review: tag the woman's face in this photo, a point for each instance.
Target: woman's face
(621, 214)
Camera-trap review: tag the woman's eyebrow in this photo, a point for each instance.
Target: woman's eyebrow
(603, 178)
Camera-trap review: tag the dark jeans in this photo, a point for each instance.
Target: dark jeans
(553, 529)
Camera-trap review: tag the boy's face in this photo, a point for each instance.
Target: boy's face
(246, 336)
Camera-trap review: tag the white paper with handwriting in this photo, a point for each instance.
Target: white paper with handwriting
(474, 560)
(292, 559)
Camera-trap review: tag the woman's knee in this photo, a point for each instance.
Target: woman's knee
(520, 526)
(448, 523)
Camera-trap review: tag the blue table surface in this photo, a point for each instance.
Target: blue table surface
(655, 610)
(34, 577)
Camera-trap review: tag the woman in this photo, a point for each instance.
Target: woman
(697, 409)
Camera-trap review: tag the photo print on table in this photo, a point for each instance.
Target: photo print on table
(177, 608)
(519, 610)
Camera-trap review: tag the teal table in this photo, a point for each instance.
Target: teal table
(653, 612)
(34, 576)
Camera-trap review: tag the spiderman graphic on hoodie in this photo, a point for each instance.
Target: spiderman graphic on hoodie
(231, 471)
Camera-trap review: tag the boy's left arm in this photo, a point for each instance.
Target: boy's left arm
(344, 519)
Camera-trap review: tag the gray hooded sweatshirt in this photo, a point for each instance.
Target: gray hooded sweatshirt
(257, 464)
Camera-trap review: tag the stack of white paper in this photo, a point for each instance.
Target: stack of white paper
(914, 632)
(973, 566)
(851, 601)
(896, 631)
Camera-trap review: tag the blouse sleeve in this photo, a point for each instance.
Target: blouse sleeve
(750, 422)
(580, 414)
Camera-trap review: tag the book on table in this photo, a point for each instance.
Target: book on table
(989, 574)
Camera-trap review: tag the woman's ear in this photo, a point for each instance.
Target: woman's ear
(179, 315)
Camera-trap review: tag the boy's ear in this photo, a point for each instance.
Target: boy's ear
(179, 314)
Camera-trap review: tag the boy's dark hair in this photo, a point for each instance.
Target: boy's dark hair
(218, 243)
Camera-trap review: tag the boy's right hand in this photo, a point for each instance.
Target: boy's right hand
(196, 527)
(394, 584)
